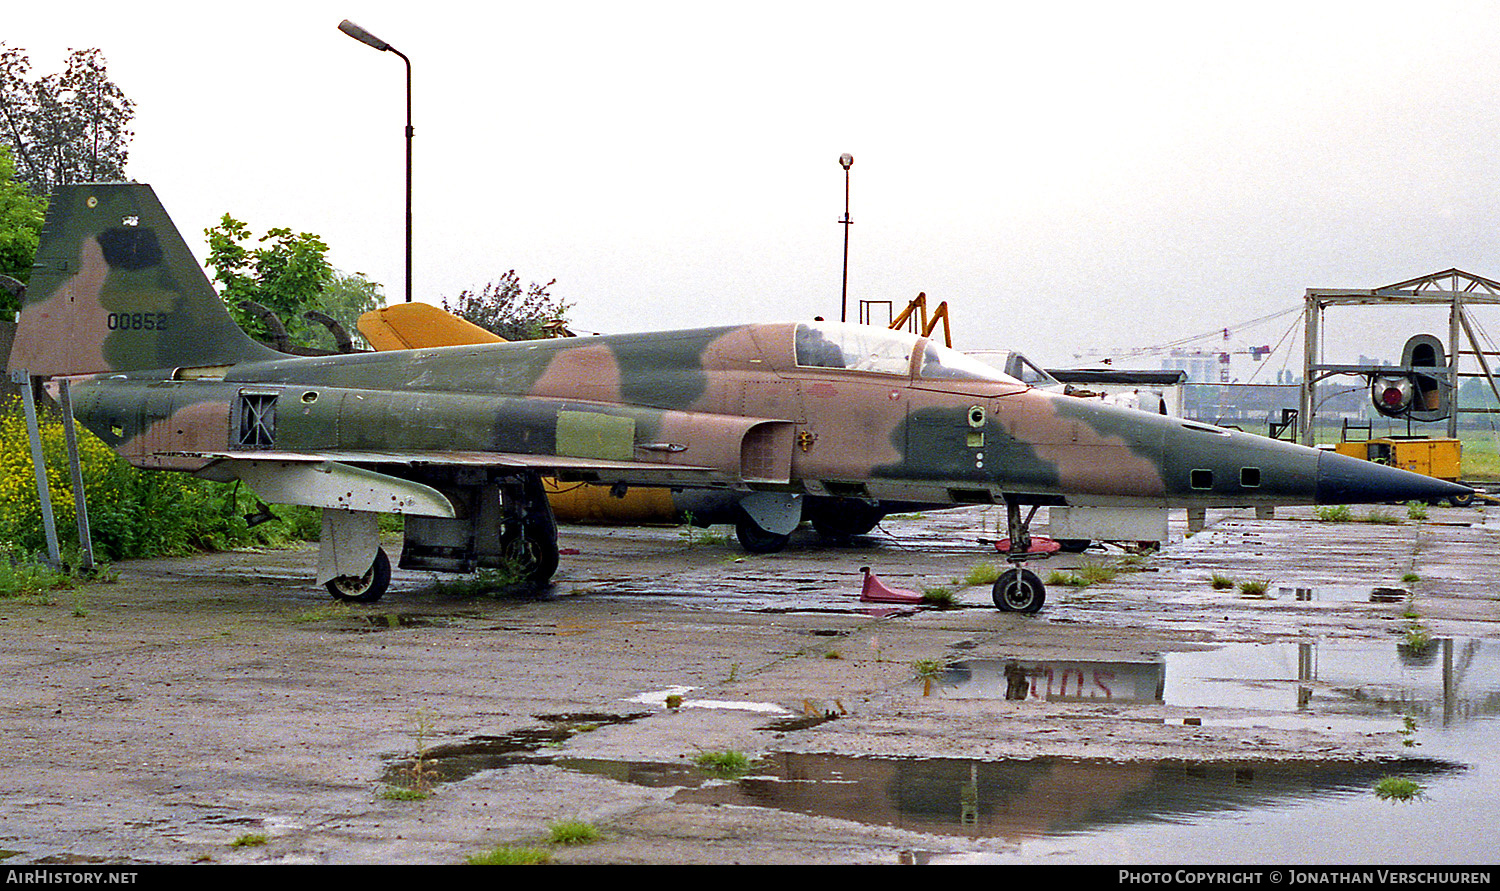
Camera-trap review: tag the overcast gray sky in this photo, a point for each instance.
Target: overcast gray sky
(1084, 175)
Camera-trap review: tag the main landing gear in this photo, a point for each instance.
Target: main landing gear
(1019, 590)
(502, 521)
(366, 588)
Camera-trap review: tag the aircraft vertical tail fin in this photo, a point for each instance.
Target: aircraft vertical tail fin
(115, 289)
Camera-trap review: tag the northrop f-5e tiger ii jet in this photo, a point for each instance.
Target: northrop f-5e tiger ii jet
(796, 420)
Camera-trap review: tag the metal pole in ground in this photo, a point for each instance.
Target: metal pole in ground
(38, 462)
(80, 505)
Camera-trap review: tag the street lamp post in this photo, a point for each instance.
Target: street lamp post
(846, 161)
(371, 40)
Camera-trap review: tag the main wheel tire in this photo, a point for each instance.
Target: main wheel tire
(1074, 545)
(532, 557)
(366, 588)
(1019, 591)
(755, 539)
(1461, 500)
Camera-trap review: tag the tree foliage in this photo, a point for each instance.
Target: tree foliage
(284, 272)
(21, 217)
(346, 298)
(503, 307)
(288, 274)
(67, 127)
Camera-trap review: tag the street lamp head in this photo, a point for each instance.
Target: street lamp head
(363, 36)
(846, 160)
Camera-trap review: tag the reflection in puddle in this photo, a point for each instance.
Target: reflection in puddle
(1055, 680)
(1014, 799)
(1341, 594)
(1443, 682)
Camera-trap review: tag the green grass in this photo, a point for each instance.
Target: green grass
(396, 793)
(927, 671)
(494, 581)
(1395, 789)
(1255, 588)
(1221, 582)
(250, 840)
(939, 596)
(572, 832)
(727, 764)
(694, 535)
(31, 577)
(1410, 578)
(980, 574)
(1334, 513)
(511, 855)
(1418, 637)
(1481, 458)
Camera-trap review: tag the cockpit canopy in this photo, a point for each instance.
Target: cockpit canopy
(1019, 367)
(883, 351)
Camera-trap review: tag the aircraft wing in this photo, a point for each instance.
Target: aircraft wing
(543, 463)
(349, 480)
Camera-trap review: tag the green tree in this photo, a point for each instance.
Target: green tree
(72, 126)
(289, 274)
(503, 307)
(21, 216)
(286, 273)
(346, 298)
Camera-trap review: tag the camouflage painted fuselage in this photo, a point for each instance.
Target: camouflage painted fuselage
(723, 407)
(846, 418)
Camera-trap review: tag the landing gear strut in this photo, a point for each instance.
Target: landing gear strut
(1019, 590)
(528, 531)
(504, 522)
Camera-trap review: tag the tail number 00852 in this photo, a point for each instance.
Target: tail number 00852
(137, 321)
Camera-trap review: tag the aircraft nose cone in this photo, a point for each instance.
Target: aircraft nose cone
(1346, 480)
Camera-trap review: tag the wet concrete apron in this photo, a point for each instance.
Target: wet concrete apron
(1142, 718)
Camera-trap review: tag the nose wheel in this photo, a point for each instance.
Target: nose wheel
(1019, 591)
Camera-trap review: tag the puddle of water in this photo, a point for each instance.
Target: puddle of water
(1340, 594)
(1056, 680)
(660, 699)
(1450, 824)
(1451, 692)
(1444, 683)
(449, 762)
(1165, 811)
(1011, 800)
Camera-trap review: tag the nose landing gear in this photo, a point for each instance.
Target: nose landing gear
(1019, 590)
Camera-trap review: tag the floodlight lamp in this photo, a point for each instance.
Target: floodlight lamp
(363, 36)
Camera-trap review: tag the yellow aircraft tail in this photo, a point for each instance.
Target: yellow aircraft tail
(413, 326)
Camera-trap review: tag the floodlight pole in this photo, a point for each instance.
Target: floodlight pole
(371, 40)
(846, 161)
